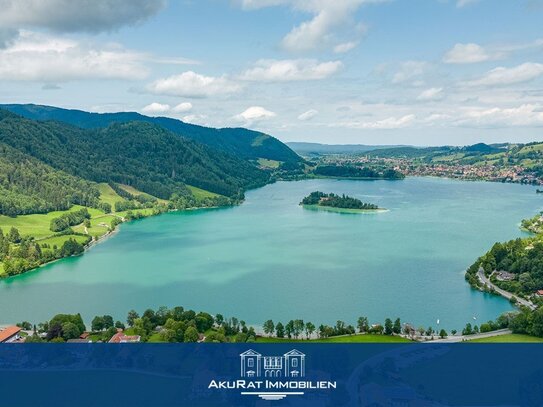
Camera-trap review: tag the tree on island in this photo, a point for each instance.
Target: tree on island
(442, 334)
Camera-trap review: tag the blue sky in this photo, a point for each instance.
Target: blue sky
(423, 72)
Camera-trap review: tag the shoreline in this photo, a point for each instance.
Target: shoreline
(106, 236)
(343, 210)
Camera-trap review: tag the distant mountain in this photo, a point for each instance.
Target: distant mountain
(143, 155)
(243, 143)
(323, 149)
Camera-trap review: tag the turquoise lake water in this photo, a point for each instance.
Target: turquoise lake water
(270, 258)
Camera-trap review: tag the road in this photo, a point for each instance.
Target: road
(461, 338)
(486, 281)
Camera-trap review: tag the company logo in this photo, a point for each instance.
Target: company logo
(291, 364)
(272, 377)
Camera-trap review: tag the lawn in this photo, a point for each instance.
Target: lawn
(511, 338)
(201, 193)
(108, 195)
(59, 240)
(37, 225)
(368, 338)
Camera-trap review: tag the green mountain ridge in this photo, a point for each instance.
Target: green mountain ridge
(240, 142)
(143, 155)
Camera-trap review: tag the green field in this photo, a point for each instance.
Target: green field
(144, 212)
(368, 338)
(108, 195)
(59, 240)
(135, 192)
(264, 162)
(201, 193)
(512, 338)
(37, 225)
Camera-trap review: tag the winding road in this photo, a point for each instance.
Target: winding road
(486, 281)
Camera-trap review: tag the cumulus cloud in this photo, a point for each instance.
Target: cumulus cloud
(200, 119)
(254, 114)
(468, 54)
(308, 115)
(312, 34)
(182, 107)
(327, 18)
(384, 124)
(431, 94)
(194, 85)
(156, 108)
(291, 70)
(74, 16)
(502, 76)
(524, 115)
(37, 57)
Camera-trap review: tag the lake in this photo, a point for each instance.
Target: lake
(270, 258)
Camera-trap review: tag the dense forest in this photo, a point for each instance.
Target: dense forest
(350, 171)
(30, 186)
(336, 201)
(239, 142)
(142, 155)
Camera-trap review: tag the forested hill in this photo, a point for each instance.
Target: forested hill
(145, 156)
(247, 144)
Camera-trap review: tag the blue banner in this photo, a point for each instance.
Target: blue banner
(270, 374)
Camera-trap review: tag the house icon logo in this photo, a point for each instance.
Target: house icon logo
(289, 365)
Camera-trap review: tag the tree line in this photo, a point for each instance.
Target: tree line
(336, 201)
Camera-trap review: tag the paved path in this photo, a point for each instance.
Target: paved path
(486, 281)
(461, 338)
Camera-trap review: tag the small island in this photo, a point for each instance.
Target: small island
(337, 203)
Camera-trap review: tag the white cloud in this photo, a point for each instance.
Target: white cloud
(431, 94)
(191, 84)
(502, 76)
(384, 124)
(182, 107)
(195, 119)
(319, 31)
(409, 70)
(36, 57)
(256, 4)
(254, 114)
(314, 33)
(524, 115)
(156, 108)
(308, 115)
(468, 54)
(345, 47)
(76, 16)
(291, 70)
